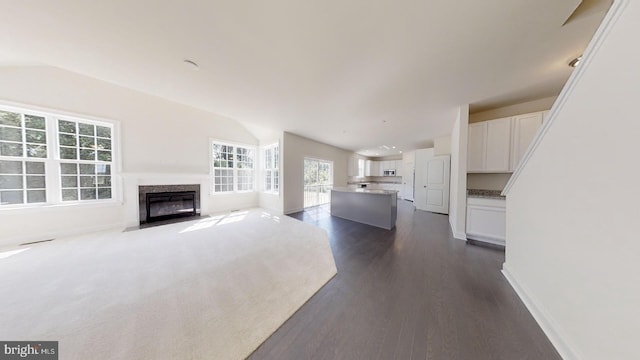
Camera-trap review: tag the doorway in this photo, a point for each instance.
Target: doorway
(432, 181)
(318, 181)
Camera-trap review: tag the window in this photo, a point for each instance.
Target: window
(318, 182)
(23, 150)
(45, 158)
(271, 165)
(233, 167)
(85, 167)
(360, 167)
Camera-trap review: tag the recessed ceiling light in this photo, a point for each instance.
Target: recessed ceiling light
(393, 147)
(192, 64)
(575, 62)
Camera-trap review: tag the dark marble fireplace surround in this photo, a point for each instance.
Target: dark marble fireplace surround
(143, 190)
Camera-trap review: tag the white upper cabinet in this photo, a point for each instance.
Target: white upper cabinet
(376, 168)
(398, 167)
(497, 145)
(488, 148)
(525, 128)
(476, 147)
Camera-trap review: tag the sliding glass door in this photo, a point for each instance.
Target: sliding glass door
(318, 181)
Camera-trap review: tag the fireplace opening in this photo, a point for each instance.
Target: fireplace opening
(170, 205)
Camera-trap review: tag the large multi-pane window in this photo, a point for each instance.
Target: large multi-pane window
(23, 152)
(45, 158)
(233, 167)
(85, 160)
(271, 171)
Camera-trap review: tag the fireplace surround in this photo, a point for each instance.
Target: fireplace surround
(167, 202)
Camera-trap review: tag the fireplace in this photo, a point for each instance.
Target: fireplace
(168, 202)
(170, 205)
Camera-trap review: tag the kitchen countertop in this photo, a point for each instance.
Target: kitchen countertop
(365, 191)
(486, 194)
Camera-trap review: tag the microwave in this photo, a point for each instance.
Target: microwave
(389, 173)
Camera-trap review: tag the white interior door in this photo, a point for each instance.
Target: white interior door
(438, 169)
(407, 181)
(420, 180)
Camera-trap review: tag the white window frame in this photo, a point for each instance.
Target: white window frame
(271, 169)
(52, 161)
(235, 169)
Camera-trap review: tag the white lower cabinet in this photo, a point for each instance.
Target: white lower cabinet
(486, 220)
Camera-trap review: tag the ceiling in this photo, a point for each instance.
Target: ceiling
(355, 74)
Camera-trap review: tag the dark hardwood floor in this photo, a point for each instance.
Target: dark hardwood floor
(414, 292)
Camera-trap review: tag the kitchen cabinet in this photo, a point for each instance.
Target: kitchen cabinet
(486, 220)
(476, 147)
(489, 146)
(383, 165)
(375, 169)
(497, 145)
(525, 128)
(398, 167)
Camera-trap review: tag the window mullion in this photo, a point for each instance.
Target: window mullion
(235, 168)
(52, 165)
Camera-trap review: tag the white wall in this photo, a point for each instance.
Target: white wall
(296, 148)
(573, 251)
(511, 110)
(162, 142)
(487, 181)
(442, 145)
(458, 195)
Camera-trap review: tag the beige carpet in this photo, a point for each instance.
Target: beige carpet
(214, 288)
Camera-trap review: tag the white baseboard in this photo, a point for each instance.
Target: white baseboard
(291, 211)
(61, 234)
(485, 238)
(544, 320)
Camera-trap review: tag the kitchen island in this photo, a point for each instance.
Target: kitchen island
(372, 207)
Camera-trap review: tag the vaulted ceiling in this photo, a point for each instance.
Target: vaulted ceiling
(356, 74)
